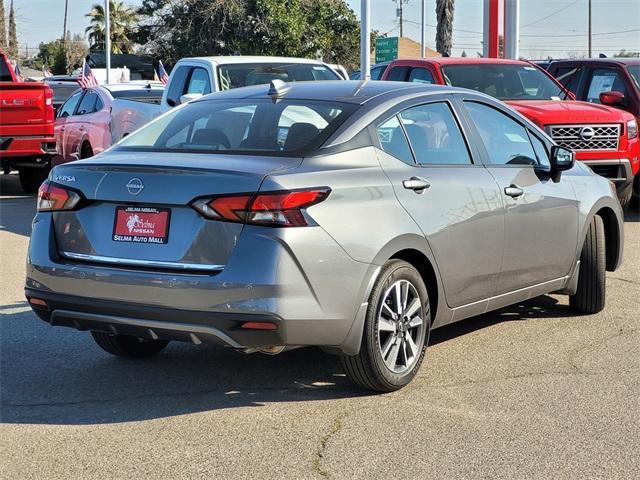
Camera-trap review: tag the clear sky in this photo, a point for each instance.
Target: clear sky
(548, 27)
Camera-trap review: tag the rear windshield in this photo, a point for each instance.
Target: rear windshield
(5, 74)
(246, 74)
(503, 81)
(146, 95)
(62, 91)
(282, 128)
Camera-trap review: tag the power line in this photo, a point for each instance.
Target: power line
(550, 15)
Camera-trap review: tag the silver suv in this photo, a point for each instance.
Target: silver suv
(351, 216)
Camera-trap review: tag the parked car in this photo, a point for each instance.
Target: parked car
(26, 127)
(63, 86)
(376, 71)
(194, 77)
(91, 120)
(607, 81)
(604, 138)
(354, 217)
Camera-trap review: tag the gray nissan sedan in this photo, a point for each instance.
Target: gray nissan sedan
(351, 216)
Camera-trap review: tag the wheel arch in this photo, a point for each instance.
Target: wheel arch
(612, 240)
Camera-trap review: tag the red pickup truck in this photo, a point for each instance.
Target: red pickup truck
(605, 138)
(27, 140)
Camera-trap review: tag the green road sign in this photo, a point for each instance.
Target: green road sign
(386, 49)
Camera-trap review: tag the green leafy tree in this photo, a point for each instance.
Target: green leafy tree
(123, 19)
(3, 30)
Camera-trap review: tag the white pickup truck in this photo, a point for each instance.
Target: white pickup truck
(194, 77)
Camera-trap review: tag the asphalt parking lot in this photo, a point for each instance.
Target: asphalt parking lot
(531, 391)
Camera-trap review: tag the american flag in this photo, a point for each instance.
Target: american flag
(46, 73)
(87, 79)
(162, 73)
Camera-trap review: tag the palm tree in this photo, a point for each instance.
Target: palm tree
(123, 19)
(444, 32)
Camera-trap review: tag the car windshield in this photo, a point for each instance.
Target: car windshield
(504, 81)
(282, 128)
(634, 70)
(238, 75)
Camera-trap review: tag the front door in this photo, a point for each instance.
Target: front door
(541, 215)
(456, 202)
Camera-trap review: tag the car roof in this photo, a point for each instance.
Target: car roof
(465, 61)
(619, 60)
(347, 91)
(253, 59)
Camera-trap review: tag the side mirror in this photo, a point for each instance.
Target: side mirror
(171, 102)
(187, 97)
(561, 158)
(612, 98)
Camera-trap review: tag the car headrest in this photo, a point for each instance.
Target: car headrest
(300, 135)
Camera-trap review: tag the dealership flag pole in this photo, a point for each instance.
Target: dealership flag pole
(107, 36)
(423, 29)
(365, 39)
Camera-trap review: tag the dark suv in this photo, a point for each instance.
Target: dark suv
(610, 81)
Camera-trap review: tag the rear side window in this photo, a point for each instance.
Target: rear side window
(246, 74)
(69, 106)
(421, 75)
(604, 80)
(284, 128)
(569, 77)
(434, 135)
(88, 103)
(505, 140)
(394, 142)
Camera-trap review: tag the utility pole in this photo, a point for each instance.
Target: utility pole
(365, 39)
(589, 28)
(64, 29)
(107, 35)
(400, 13)
(423, 29)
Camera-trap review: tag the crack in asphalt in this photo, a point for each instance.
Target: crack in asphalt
(317, 461)
(626, 280)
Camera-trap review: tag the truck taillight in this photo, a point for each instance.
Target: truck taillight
(49, 113)
(53, 197)
(275, 209)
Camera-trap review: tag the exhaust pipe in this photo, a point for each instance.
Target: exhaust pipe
(270, 350)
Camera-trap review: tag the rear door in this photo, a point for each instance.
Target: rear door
(541, 215)
(450, 195)
(65, 113)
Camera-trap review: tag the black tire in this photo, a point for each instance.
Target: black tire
(32, 177)
(590, 296)
(127, 346)
(367, 369)
(625, 197)
(86, 151)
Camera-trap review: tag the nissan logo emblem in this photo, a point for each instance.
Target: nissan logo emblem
(135, 186)
(587, 133)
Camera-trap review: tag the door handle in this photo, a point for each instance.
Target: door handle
(513, 191)
(416, 184)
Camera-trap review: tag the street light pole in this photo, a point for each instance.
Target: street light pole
(365, 39)
(107, 35)
(589, 28)
(423, 29)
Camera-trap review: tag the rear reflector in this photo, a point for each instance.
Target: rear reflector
(259, 326)
(53, 197)
(276, 209)
(38, 303)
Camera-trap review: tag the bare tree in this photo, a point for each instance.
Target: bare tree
(444, 32)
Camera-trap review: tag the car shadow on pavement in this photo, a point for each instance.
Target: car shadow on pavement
(59, 376)
(632, 213)
(17, 209)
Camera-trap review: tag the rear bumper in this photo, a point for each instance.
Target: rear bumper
(32, 151)
(151, 322)
(617, 170)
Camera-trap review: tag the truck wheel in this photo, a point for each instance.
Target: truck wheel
(590, 296)
(86, 150)
(625, 197)
(127, 346)
(31, 178)
(396, 331)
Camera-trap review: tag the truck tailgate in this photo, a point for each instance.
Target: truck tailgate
(22, 109)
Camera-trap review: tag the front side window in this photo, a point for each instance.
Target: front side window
(177, 84)
(199, 82)
(541, 150)
(503, 80)
(505, 140)
(604, 80)
(434, 135)
(376, 72)
(284, 128)
(245, 74)
(394, 141)
(69, 106)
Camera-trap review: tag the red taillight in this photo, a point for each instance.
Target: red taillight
(49, 112)
(279, 209)
(52, 197)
